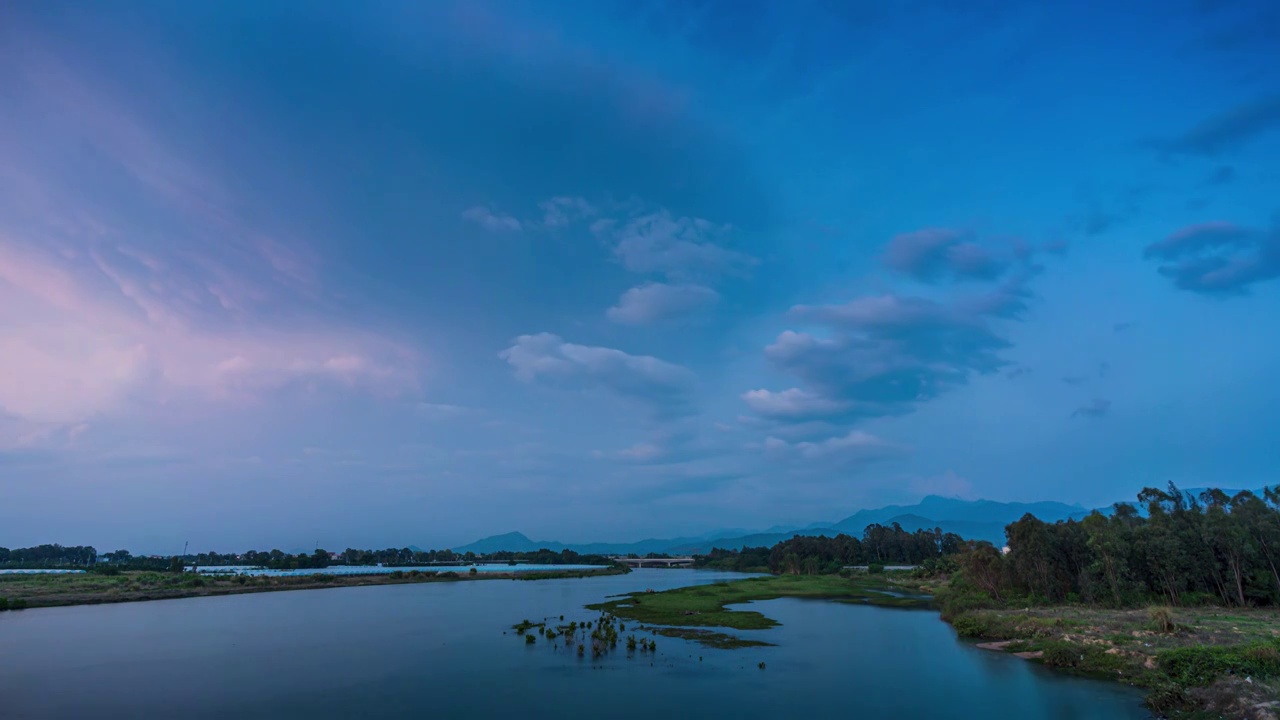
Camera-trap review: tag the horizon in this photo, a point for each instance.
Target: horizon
(408, 273)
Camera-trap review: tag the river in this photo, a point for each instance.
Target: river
(439, 650)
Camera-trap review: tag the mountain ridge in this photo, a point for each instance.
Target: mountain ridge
(972, 519)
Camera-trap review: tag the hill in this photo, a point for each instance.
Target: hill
(971, 519)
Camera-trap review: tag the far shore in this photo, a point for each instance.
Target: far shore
(37, 591)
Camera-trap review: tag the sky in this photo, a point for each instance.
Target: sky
(275, 274)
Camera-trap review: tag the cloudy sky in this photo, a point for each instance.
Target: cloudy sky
(415, 273)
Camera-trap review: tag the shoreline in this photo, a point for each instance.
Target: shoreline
(1188, 661)
(44, 591)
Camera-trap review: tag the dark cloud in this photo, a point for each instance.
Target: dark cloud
(1095, 408)
(935, 254)
(1017, 372)
(884, 355)
(1217, 258)
(1228, 130)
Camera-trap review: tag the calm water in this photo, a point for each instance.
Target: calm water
(438, 650)
(381, 570)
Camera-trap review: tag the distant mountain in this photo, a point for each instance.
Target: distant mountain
(971, 519)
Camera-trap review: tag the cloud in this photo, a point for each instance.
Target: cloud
(1096, 408)
(1218, 258)
(853, 448)
(680, 248)
(795, 404)
(491, 220)
(86, 335)
(1017, 372)
(655, 302)
(935, 254)
(1125, 326)
(882, 355)
(1075, 379)
(561, 211)
(547, 357)
(1228, 130)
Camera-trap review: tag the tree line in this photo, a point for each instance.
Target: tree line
(816, 555)
(87, 557)
(1170, 546)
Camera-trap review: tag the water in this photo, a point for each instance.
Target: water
(438, 650)
(39, 572)
(382, 570)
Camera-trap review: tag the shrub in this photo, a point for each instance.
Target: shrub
(397, 574)
(1200, 665)
(875, 568)
(529, 639)
(1168, 697)
(472, 571)
(17, 604)
(1161, 619)
(4, 604)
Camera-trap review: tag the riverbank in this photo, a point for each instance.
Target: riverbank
(1193, 662)
(1200, 662)
(35, 591)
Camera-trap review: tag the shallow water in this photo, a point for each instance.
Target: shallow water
(439, 650)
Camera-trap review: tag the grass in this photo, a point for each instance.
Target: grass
(92, 588)
(1194, 662)
(706, 605)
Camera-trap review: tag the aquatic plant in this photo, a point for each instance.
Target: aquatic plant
(529, 639)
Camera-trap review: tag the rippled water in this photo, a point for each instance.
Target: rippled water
(446, 650)
(39, 572)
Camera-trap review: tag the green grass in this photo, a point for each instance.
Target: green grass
(1193, 661)
(705, 605)
(93, 588)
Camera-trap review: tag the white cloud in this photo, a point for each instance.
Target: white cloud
(492, 220)
(561, 211)
(655, 302)
(677, 247)
(548, 357)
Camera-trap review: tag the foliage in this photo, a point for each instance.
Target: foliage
(1201, 665)
(1172, 548)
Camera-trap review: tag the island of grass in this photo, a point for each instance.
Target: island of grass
(683, 611)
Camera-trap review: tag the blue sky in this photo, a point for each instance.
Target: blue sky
(414, 273)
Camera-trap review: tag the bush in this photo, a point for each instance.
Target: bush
(472, 571)
(4, 604)
(1200, 665)
(17, 604)
(397, 574)
(529, 639)
(1167, 697)
(875, 568)
(1161, 619)
(972, 626)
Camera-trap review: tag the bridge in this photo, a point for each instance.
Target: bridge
(655, 562)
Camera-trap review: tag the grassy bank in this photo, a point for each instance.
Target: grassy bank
(682, 610)
(1194, 662)
(34, 591)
